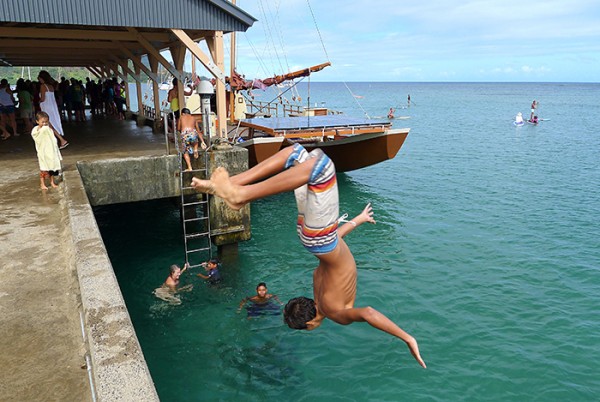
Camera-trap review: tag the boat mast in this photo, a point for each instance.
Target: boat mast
(231, 73)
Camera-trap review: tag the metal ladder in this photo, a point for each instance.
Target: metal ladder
(195, 211)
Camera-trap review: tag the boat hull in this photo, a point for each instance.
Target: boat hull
(347, 152)
(261, 148)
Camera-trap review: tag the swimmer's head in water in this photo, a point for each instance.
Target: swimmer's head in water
(175, 271)
(261, 289)
(298, 312)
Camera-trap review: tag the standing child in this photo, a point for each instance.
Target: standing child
(47, 150)
(190, 132)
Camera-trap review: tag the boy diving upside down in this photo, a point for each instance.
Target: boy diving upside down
(312, 177)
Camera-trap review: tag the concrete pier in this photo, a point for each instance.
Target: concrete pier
(65, 333)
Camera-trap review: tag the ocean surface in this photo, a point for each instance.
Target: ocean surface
(486, 250)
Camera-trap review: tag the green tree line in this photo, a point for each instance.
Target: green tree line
(12, 74)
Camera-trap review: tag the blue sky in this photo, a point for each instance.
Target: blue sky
(424, 40)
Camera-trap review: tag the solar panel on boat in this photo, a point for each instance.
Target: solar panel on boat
(306, 122)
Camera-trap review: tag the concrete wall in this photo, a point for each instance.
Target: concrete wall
(119, 369)
(114, 181)
(226, 225)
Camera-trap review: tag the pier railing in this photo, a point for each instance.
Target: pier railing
(273, 109)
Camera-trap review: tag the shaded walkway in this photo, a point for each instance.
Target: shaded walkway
(43, 353)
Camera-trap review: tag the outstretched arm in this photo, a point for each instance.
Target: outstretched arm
(244, 301)
(365, 216)
(379, 321)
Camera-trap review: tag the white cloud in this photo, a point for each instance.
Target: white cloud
(389, 40)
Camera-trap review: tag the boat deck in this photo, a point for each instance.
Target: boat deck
(329, 124)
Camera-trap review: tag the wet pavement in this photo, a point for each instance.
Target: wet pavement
(42, 351)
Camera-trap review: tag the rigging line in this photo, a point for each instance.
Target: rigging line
(356, 100)
(280, 35)
(263, 67)
(270, 37)
(261, 64)
(278, 96)
(318, 30)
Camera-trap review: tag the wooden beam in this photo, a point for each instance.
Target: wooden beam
(154, 52)
(156, 96)
(196, 51)
(91, 70)
(215, 45)
(97, 34)
(137, 61)
(125, 68)
(61, 44)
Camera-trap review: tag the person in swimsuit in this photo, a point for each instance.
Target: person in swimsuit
(169, 290)
(190, 131)
(212, 269)
(534, 106)
(262, 297)
(313, 179)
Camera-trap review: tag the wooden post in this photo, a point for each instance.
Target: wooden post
(215, 45)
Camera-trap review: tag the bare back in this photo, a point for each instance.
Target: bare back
(188, 122)
(334, 280)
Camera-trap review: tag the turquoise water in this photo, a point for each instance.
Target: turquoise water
(487, 250)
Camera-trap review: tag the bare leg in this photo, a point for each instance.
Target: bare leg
(43, 183)
(236, 196)
(266, 168)
(186, 156)
(52, 183)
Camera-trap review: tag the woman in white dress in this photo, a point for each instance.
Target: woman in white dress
(48, 105)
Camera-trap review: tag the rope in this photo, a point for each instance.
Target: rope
(318, 30)
(356, 100)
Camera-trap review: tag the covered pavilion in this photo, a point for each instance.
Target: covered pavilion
(121, 38)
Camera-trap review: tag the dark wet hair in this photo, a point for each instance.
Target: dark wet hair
(298, 312)
(185, 110)
(40, 115)
(214, 261)
(261, 284)
(44, 75)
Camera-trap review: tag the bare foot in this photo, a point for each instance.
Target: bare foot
(44, 188)
(188, 169)
(221, 186)
(53, 185)
(414, 350)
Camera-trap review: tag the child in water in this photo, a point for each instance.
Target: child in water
(212, 269)
(48, 154)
